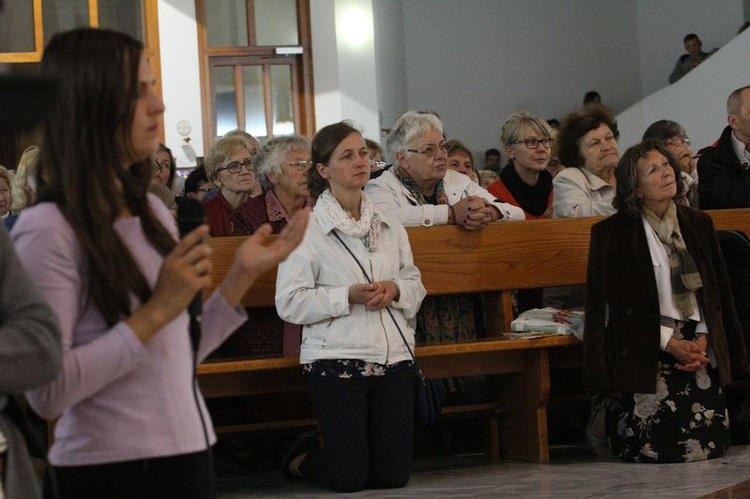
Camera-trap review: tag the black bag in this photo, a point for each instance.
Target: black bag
(426, 396)
(426, 400)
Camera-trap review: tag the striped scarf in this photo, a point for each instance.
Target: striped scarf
(439, 197)
(685, 277)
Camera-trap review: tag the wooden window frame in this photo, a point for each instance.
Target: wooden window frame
(302, 84)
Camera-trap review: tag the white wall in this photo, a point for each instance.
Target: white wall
(473, 61)
(344, 64)
(697, 101)
(662, 25)
(390, 61)
(180, 72)
(476, 62)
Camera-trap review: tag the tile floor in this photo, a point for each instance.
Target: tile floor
(573, 473)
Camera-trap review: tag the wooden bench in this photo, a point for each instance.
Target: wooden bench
(502, 258)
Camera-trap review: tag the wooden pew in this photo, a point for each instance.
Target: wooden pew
(502, 258)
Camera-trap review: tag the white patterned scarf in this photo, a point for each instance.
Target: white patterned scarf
(367, 228)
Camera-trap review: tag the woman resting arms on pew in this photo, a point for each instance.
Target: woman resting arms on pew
(661, 337)
(105, 254)
(360, 373)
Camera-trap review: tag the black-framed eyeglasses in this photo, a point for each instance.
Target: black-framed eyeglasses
(300, 166)
(235, 167)
(161, 165)
(430, 150)
(680, 140)
(204, 189)
(378, 164)
(534, 143)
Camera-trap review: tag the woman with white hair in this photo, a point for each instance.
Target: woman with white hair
(421, 190)
(282, 165)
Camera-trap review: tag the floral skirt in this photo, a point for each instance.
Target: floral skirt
(685, 420)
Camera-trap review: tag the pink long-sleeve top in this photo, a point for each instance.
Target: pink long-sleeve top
(116, 398)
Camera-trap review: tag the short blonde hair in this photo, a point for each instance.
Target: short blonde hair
(518, 122)
(22, 195)
(220, 153)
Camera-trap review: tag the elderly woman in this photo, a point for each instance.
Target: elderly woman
(6, 177)
(282, 166)
(420, 189)
(353, 285)
(23, 186)
(675, 140)
(525, 181)
(660, 320)
(461, 160)
(588, 144)
(229, 165)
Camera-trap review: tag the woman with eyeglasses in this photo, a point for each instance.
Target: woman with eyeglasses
(164, 166)
(282, 165)
(420, 189)
(525, 181)
(675, 140)
(229, 165)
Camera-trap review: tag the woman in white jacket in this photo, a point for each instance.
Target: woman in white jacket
(359, 371)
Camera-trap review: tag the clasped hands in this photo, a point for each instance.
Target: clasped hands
(475, 213)
(374, 295)
(691, 355)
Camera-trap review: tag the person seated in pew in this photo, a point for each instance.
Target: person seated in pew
(661, 337)
(525, 181)
(586, 188)
(353, 286)
(461, 160)
(282, 166)
(229, 165)
(421, 190)
(675, 140)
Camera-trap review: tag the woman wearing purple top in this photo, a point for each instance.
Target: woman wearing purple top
(106, 256)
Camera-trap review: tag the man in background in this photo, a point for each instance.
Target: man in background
(691, 60)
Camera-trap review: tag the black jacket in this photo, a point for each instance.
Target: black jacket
(722, 180)
(621, 332)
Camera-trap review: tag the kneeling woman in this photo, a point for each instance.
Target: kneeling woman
(660, 320)
(359, 370)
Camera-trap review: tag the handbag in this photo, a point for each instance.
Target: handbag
(426, 396)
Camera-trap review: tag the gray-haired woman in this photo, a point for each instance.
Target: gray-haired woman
(282, 165)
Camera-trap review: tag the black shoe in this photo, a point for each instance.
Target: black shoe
(303, 444)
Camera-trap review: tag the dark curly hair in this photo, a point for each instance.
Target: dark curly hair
(578, 124)
(626, 174)
(324, 143)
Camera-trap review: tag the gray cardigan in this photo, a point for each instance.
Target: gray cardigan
(30, 356)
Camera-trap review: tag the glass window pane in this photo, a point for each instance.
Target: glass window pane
(255, 115)
(63, 15)
(276, 22)
(222, 81)
(17, 27)
(126, 17)
(281, 88)
(226, 23)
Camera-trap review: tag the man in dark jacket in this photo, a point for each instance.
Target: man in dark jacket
(724, 168)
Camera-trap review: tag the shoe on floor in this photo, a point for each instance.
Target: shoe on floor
(304, 443)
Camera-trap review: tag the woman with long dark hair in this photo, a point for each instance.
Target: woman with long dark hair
(106, 256)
